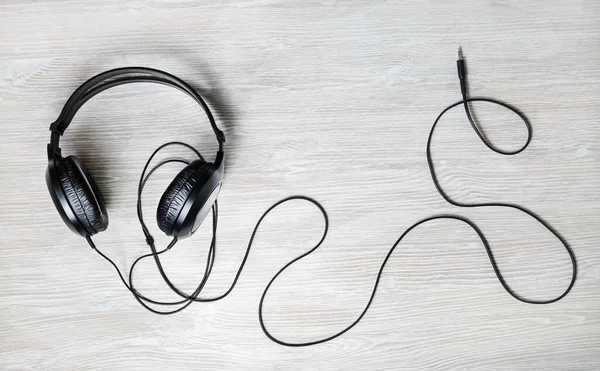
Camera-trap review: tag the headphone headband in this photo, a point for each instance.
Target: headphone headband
(115, 77)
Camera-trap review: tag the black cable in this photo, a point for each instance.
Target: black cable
(150, 241)
(189, 298)
(464, 102)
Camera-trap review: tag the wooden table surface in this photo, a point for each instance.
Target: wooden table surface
(329, 99)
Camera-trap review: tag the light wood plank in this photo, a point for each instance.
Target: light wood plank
(329, 99)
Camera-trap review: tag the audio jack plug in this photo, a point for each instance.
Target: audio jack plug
(462, 73)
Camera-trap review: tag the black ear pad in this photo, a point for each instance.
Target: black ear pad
(185, 196)
(82, 195)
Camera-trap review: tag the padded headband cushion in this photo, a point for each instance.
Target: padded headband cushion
(79, 189)
(172, 201)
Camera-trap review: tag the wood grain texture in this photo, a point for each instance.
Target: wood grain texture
(331, 99)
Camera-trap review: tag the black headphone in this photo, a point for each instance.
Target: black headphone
(193, 192)
(184, 204)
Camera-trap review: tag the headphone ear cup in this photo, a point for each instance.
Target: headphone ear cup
(181, 209)
(83, 196)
